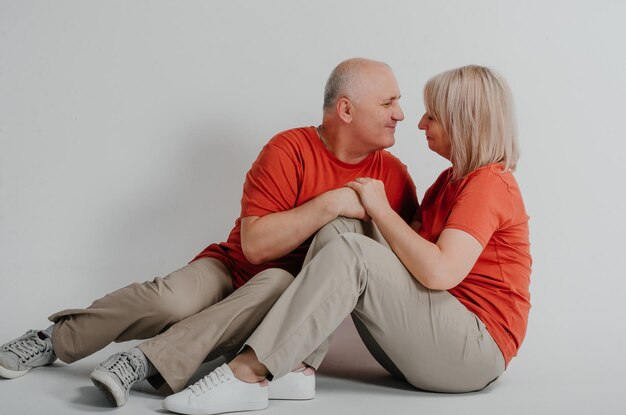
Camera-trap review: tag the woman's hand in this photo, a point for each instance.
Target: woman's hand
(372, 195)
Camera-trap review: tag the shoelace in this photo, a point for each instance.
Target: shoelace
(209, 381)
(27, 347)
(128, 369)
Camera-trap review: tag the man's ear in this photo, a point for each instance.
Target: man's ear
(344, 109)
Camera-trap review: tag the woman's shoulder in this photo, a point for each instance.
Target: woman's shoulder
(494, 186)
(493, 174)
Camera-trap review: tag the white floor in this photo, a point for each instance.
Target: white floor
(349, 382)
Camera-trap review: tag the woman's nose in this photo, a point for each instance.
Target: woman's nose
(422, 123)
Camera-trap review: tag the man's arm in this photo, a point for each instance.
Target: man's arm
(276, 234)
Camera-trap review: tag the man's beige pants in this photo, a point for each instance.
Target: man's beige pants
(425, 337)
(193, 312)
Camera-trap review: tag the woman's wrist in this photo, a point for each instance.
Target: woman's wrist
(383, 214)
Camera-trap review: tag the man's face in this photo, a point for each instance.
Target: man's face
(376, 109)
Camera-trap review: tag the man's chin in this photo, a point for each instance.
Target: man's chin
(390, 142)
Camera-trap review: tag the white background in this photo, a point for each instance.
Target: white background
(126, 129)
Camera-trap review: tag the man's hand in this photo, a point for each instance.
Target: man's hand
(348, 203)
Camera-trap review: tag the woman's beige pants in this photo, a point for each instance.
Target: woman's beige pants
(423, 336)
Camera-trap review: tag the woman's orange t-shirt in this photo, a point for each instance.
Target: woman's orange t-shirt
(488, 205)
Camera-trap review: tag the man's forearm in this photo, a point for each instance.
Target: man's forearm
(275, 235)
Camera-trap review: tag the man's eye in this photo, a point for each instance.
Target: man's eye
(387, 104)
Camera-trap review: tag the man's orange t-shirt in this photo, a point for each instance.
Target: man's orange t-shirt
(488, 205)
(293, 168)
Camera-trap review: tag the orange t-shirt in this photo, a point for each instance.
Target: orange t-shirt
(488, 205)
(293, 168)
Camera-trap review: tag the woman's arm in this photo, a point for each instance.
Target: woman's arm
(438, 266)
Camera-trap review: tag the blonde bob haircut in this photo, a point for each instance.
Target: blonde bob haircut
(475, 107)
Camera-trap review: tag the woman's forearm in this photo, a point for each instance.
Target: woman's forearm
(438, 266)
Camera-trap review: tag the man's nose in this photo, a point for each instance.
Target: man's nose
(398, 114)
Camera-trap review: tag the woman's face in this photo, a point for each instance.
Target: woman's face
(438, 140)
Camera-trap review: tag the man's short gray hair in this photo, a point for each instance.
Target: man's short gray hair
(342, 79)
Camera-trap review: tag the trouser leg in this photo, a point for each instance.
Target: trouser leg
(313, 306)
(426, 337)
(326, 234)
(178, 352)
(139, 311)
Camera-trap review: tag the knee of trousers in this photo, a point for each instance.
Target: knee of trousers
(354, 243)
(156, 299)
(155, 302)
(339, 226)
(274, 281)
(344, 224)
(347, 248)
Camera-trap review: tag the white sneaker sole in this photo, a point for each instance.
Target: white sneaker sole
(109, 387)
(210, 410)
(12, 374)
(294, 386)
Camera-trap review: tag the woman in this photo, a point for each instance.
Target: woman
(446, 307)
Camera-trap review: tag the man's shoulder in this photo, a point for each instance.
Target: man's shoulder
(292, 137)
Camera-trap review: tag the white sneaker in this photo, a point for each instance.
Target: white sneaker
(296, 385)
(219, 391)
(31, 350)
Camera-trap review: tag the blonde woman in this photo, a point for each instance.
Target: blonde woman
(445, 305)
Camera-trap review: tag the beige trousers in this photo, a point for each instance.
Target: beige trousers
(423, 336)
(193, 312)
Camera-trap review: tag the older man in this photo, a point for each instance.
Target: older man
(212, 305)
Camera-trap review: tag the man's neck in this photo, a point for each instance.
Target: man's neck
(340, 148)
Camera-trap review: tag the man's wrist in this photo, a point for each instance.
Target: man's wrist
(329, 204)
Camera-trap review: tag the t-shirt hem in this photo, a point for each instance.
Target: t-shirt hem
(469, 230)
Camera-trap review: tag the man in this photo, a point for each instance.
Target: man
(211, 306)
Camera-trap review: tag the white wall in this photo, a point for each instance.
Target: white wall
(126, 128)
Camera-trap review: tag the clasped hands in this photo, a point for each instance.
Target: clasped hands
(366, 200)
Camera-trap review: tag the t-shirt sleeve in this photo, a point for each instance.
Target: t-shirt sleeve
(482, 207)
(271, 183)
